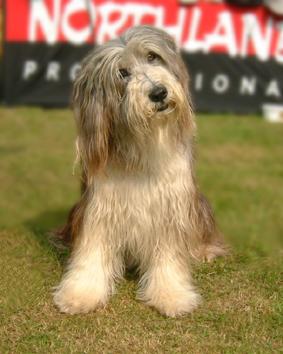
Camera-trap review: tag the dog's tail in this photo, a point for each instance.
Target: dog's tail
(64, 236)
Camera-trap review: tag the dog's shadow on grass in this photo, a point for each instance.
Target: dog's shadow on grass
(44, 228)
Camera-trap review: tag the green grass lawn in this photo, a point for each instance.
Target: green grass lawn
(240, 169)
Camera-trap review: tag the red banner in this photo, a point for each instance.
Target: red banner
(203, 28)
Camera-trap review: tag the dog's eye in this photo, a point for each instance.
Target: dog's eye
(124, 73)
(151, 56)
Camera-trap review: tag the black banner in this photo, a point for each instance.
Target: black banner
(42, 75)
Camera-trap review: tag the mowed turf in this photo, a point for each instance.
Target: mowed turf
(240, 169)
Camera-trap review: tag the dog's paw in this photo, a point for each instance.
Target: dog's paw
(215, 251)
(74, 301)
(177, 305)
(208, 253)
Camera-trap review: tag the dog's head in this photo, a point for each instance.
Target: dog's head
(127, 88)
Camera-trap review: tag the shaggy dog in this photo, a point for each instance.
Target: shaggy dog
(140, 205)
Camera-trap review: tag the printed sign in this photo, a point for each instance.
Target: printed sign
(234, 55)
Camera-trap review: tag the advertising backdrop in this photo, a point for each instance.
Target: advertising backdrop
(234, 55)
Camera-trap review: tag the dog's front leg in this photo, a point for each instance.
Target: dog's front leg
(166, 285)
(89, 279)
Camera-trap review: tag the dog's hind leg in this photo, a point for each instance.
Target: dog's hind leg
(211, 240)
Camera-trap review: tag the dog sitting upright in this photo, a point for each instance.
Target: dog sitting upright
(141, 204)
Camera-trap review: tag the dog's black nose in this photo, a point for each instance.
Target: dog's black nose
(158, 93)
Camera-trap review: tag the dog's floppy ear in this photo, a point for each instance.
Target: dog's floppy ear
(92, 118)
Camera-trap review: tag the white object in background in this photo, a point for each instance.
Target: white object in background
(276, 6)
(273, 112)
